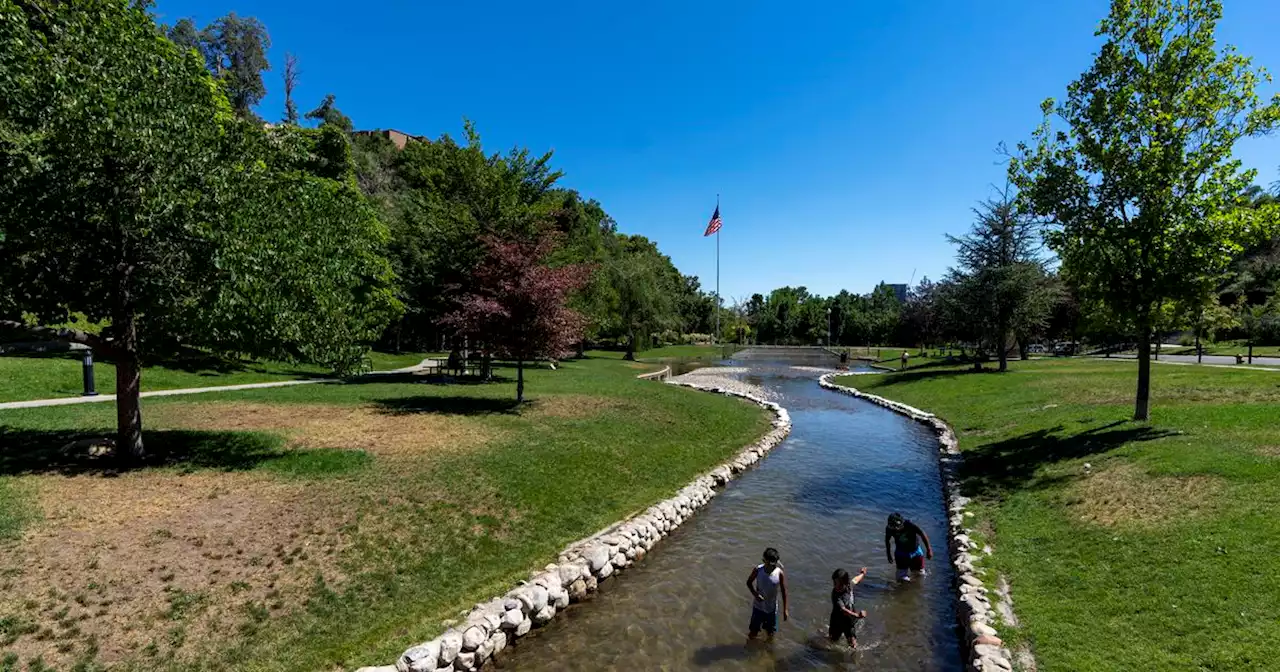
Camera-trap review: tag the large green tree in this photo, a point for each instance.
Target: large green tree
(133, 195)
(1139, 181)
(1001, 255)
(645, 282)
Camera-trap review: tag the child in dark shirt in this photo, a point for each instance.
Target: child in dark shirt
(843, 616)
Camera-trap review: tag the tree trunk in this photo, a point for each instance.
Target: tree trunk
(1199, 352)
(129, 446)
(631, 347)
(1250, 351)
(1142, 404)
(519, 381)
(1004, 350)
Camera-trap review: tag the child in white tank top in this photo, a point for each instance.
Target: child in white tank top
(766, 582)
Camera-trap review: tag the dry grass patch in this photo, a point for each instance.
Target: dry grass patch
(1125, 494)
(1269, 451)
(375, 430)
(574, 406)
(156, 564)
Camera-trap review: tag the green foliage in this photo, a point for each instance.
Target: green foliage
(1141, 185)
(236, 51)
(135, 196)
(328, 114)
(1002, 289)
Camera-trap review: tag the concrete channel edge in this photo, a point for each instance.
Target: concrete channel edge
(486, 629)
(978, 615)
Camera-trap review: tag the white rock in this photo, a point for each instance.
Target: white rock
(497, 642)
(382, 668)
(419, 658)
(578, 590)
(620, 560)
(450, 646)
(569, 573)
(539, 596)
(512, 618)
(473, 637)
(525, 626)
(598, 558)
(560, 599)
(544, 615)
(982, 629)
(606, 571)
(485, 652)
(465, 662)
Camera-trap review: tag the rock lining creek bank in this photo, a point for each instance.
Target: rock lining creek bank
(821, 501)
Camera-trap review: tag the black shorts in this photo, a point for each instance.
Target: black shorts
(763, 619)
(842, 625)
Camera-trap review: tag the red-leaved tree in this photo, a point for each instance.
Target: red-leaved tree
(516, 305)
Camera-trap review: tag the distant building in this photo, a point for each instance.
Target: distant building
(397, 138)
(900, 292)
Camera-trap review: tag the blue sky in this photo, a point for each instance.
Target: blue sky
(844, 138)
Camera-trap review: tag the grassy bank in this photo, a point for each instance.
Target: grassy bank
(23, 378)
(323, 527)
(1163, 552)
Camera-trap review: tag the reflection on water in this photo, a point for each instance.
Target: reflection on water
(821, 498)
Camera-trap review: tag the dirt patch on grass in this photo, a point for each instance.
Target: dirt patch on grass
(160, 567)
(1269, 451)
(1125, 494)
(319, 426)
(574, 405)
(155, 564)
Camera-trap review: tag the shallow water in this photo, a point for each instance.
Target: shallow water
(821, 499)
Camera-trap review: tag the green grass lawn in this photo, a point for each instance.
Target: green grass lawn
(1163, 554)
(389, 361)
(326, 526)
(49, 377)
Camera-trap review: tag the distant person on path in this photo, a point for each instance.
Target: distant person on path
(905, 357)
(906, 553)
(844, 617)
(765, 582)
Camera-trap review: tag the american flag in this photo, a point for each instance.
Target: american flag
(715, 224)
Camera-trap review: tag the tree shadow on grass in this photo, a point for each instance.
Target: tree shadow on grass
(28, 451)
(929, 372)
(450, 405)
(1003, 466)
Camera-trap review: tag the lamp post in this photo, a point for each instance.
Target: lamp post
(828, 326)
(89, 389)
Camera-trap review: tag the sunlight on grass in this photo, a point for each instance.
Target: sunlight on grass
(1128, 545)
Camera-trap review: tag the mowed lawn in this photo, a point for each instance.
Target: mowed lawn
(325, 527)
(1129, 546)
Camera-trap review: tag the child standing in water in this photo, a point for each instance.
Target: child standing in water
(907, 554)
(765, 582)
(843, 616)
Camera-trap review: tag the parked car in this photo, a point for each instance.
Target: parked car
(1065, 348)
(1036, 349)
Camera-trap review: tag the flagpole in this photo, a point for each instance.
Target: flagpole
(716, 338)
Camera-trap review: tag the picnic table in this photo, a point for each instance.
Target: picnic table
(460, 369)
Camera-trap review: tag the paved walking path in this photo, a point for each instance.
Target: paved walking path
(1208, 359)
(67, 401)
